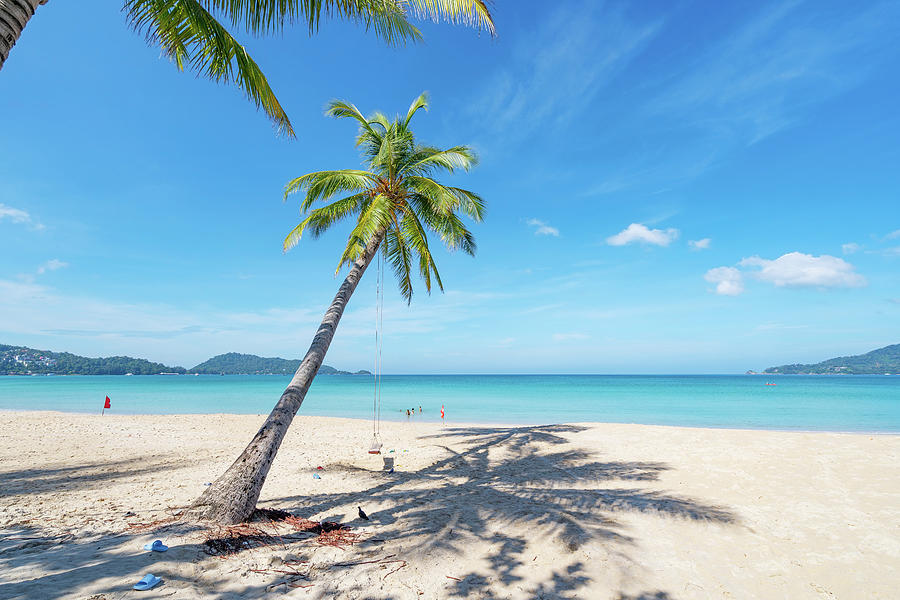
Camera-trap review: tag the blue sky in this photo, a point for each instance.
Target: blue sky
(685, 187)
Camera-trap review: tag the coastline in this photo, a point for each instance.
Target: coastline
(581, 510)
(450, 424)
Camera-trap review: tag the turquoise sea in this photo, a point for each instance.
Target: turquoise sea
(814, 403)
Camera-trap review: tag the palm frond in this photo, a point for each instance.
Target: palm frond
(427, 159)
(190, 35)
(418, 239)
(474, 13)
(399, 257)
(448, 226)
(374, 217)
(322, 185)
(320, 219)
(386, 17)
(420, 102)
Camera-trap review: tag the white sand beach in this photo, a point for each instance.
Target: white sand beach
(598, 511)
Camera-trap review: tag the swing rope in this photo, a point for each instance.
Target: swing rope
(379, 342)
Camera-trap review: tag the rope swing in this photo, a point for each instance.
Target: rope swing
(375, 448)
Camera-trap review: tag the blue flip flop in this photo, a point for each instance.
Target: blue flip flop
(156, 546)
(147, 582)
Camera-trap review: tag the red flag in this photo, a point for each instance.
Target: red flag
(106, 405)
(442, 411)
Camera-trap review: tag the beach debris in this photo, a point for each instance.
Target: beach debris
(156, 546)
(316, 476)
(129, 514)
(232, 539)
(149, 581)
(235, 538)
(269, 514)
(362, 513)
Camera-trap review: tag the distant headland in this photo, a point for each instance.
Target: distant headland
(877, 362)
(20, 360)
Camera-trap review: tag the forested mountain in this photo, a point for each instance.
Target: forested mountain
(19, 360)
(876, 362)
(233, 363)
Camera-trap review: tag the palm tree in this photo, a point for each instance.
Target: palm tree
(396, 201)
(189, 33)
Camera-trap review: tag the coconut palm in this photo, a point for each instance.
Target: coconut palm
(189, 32)
(396, 201)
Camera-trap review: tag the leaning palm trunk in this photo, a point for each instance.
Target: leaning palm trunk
(232, 497)
(14, 16)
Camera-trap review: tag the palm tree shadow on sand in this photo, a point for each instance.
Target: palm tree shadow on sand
(499, 479)
(504, 492)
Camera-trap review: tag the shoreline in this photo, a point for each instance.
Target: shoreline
(449, 424)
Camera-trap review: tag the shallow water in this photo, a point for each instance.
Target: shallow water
(816, 403)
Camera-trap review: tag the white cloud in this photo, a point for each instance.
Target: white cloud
(564, 337)
(850, 248)
(640, 233)
(17, 215)
(729, 281)
(543, 228)
(699, 244)
(51, 265)
(14, 214)
(796, 269)
(891, 236)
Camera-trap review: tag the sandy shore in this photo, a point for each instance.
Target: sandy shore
(595, 511)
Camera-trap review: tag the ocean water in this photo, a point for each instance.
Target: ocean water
(813, 403)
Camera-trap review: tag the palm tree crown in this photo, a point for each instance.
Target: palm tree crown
(396, 201)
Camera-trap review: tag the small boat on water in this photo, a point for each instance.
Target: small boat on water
(767, 383)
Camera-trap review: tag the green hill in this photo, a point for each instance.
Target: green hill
(233, 363)
(876, 362)
(19, 360)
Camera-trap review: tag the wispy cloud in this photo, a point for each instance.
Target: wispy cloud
(556, 71)
(893, 235)
(760, 78)
(699, 244)
(542, 228)
(767, 70)
(51, 265)
(850, 248)
(187, 335)
(638, 233)
(17, 215)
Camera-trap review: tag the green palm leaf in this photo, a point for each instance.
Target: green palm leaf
(189, 35)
